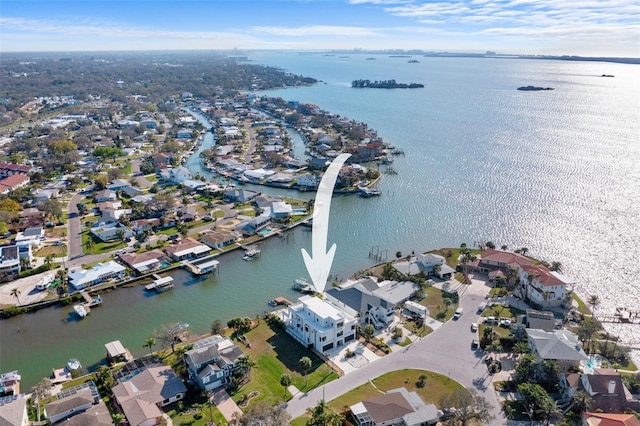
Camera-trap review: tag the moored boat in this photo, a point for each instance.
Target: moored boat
(80, 310)
(74, 365)
(368, 192)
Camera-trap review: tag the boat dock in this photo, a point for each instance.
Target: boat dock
(203, 265)
(91, 301)
(622, 316)
(116, 352)
(280, 301)
(160, 284)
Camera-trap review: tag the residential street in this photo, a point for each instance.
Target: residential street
(446, 351)
(75, 237)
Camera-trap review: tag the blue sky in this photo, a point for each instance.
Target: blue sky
(554, 27)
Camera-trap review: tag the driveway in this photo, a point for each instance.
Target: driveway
(446, 351)
(75, 237)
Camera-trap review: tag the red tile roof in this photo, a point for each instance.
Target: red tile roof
(512, 259)
(605, 419)
(543, 275)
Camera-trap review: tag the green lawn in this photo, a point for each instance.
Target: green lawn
(435, 386)
(433, 300)
(582, 308)
(500, 311)
(277, 353)
(420, 331)
(99, 247)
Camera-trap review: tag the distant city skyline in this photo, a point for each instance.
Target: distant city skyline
(533, 27)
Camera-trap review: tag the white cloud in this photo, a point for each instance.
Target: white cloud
(315, 30)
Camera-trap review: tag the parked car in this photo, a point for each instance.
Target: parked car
(207, 218)
(457, 314)
(474, 344)
(58, 243)
(474, 326)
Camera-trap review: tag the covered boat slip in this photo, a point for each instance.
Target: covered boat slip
(116, 352)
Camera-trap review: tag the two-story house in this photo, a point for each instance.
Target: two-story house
(544, 287)
(319, 324)
(374, 302)
(211, 361)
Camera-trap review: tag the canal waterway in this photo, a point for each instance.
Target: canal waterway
(554, 171)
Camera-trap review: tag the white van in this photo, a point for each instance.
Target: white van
(457, 314)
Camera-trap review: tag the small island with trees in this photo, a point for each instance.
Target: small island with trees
(385, 84)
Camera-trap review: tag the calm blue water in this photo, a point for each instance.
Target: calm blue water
(555, 171)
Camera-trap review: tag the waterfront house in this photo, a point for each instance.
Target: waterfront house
(145, 262)
(9, 263)
(561, 346)
(397, 407)
(187, 248)
(252, 225)
(211, 361)
(544, 287)
(111, 231)
(494, 260)
(307, 181)
(105, 195)
(374, 302)
(319, 324)
(100, 273)
(434, 265)
(280, 210)
(540, 320)
(220, 238)
(13, 410)
(142, 395)
(73, 402)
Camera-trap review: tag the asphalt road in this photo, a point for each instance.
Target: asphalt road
(73, 222)
(446, 351)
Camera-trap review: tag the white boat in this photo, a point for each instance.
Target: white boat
(303, 286)
(368, 192)
(74, 364)
(81, 311)
(248, 258)
(251, 252)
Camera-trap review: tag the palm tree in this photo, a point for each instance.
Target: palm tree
(556, 266)
(285, 381)
(504, 247)
(524, 251)
(150, 342)
(244, 363)
(594, 302)
(548, 409)
(89, 243)
(581, 402)
(521, 348)
(321, 415)
(16, 293)
(305, 364)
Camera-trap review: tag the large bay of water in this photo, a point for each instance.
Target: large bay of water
(555, 171)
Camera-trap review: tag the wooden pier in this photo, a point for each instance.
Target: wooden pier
(621, 316)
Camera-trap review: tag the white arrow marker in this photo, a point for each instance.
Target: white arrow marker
(320, 265)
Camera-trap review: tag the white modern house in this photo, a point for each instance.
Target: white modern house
(111, 231)
(96, 275)
(319, 324)
(308, 181)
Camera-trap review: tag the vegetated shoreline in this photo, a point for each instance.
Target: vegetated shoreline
(384, 84)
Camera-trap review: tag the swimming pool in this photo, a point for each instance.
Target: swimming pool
(591, 363)
(264, 232)
(297, 212)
